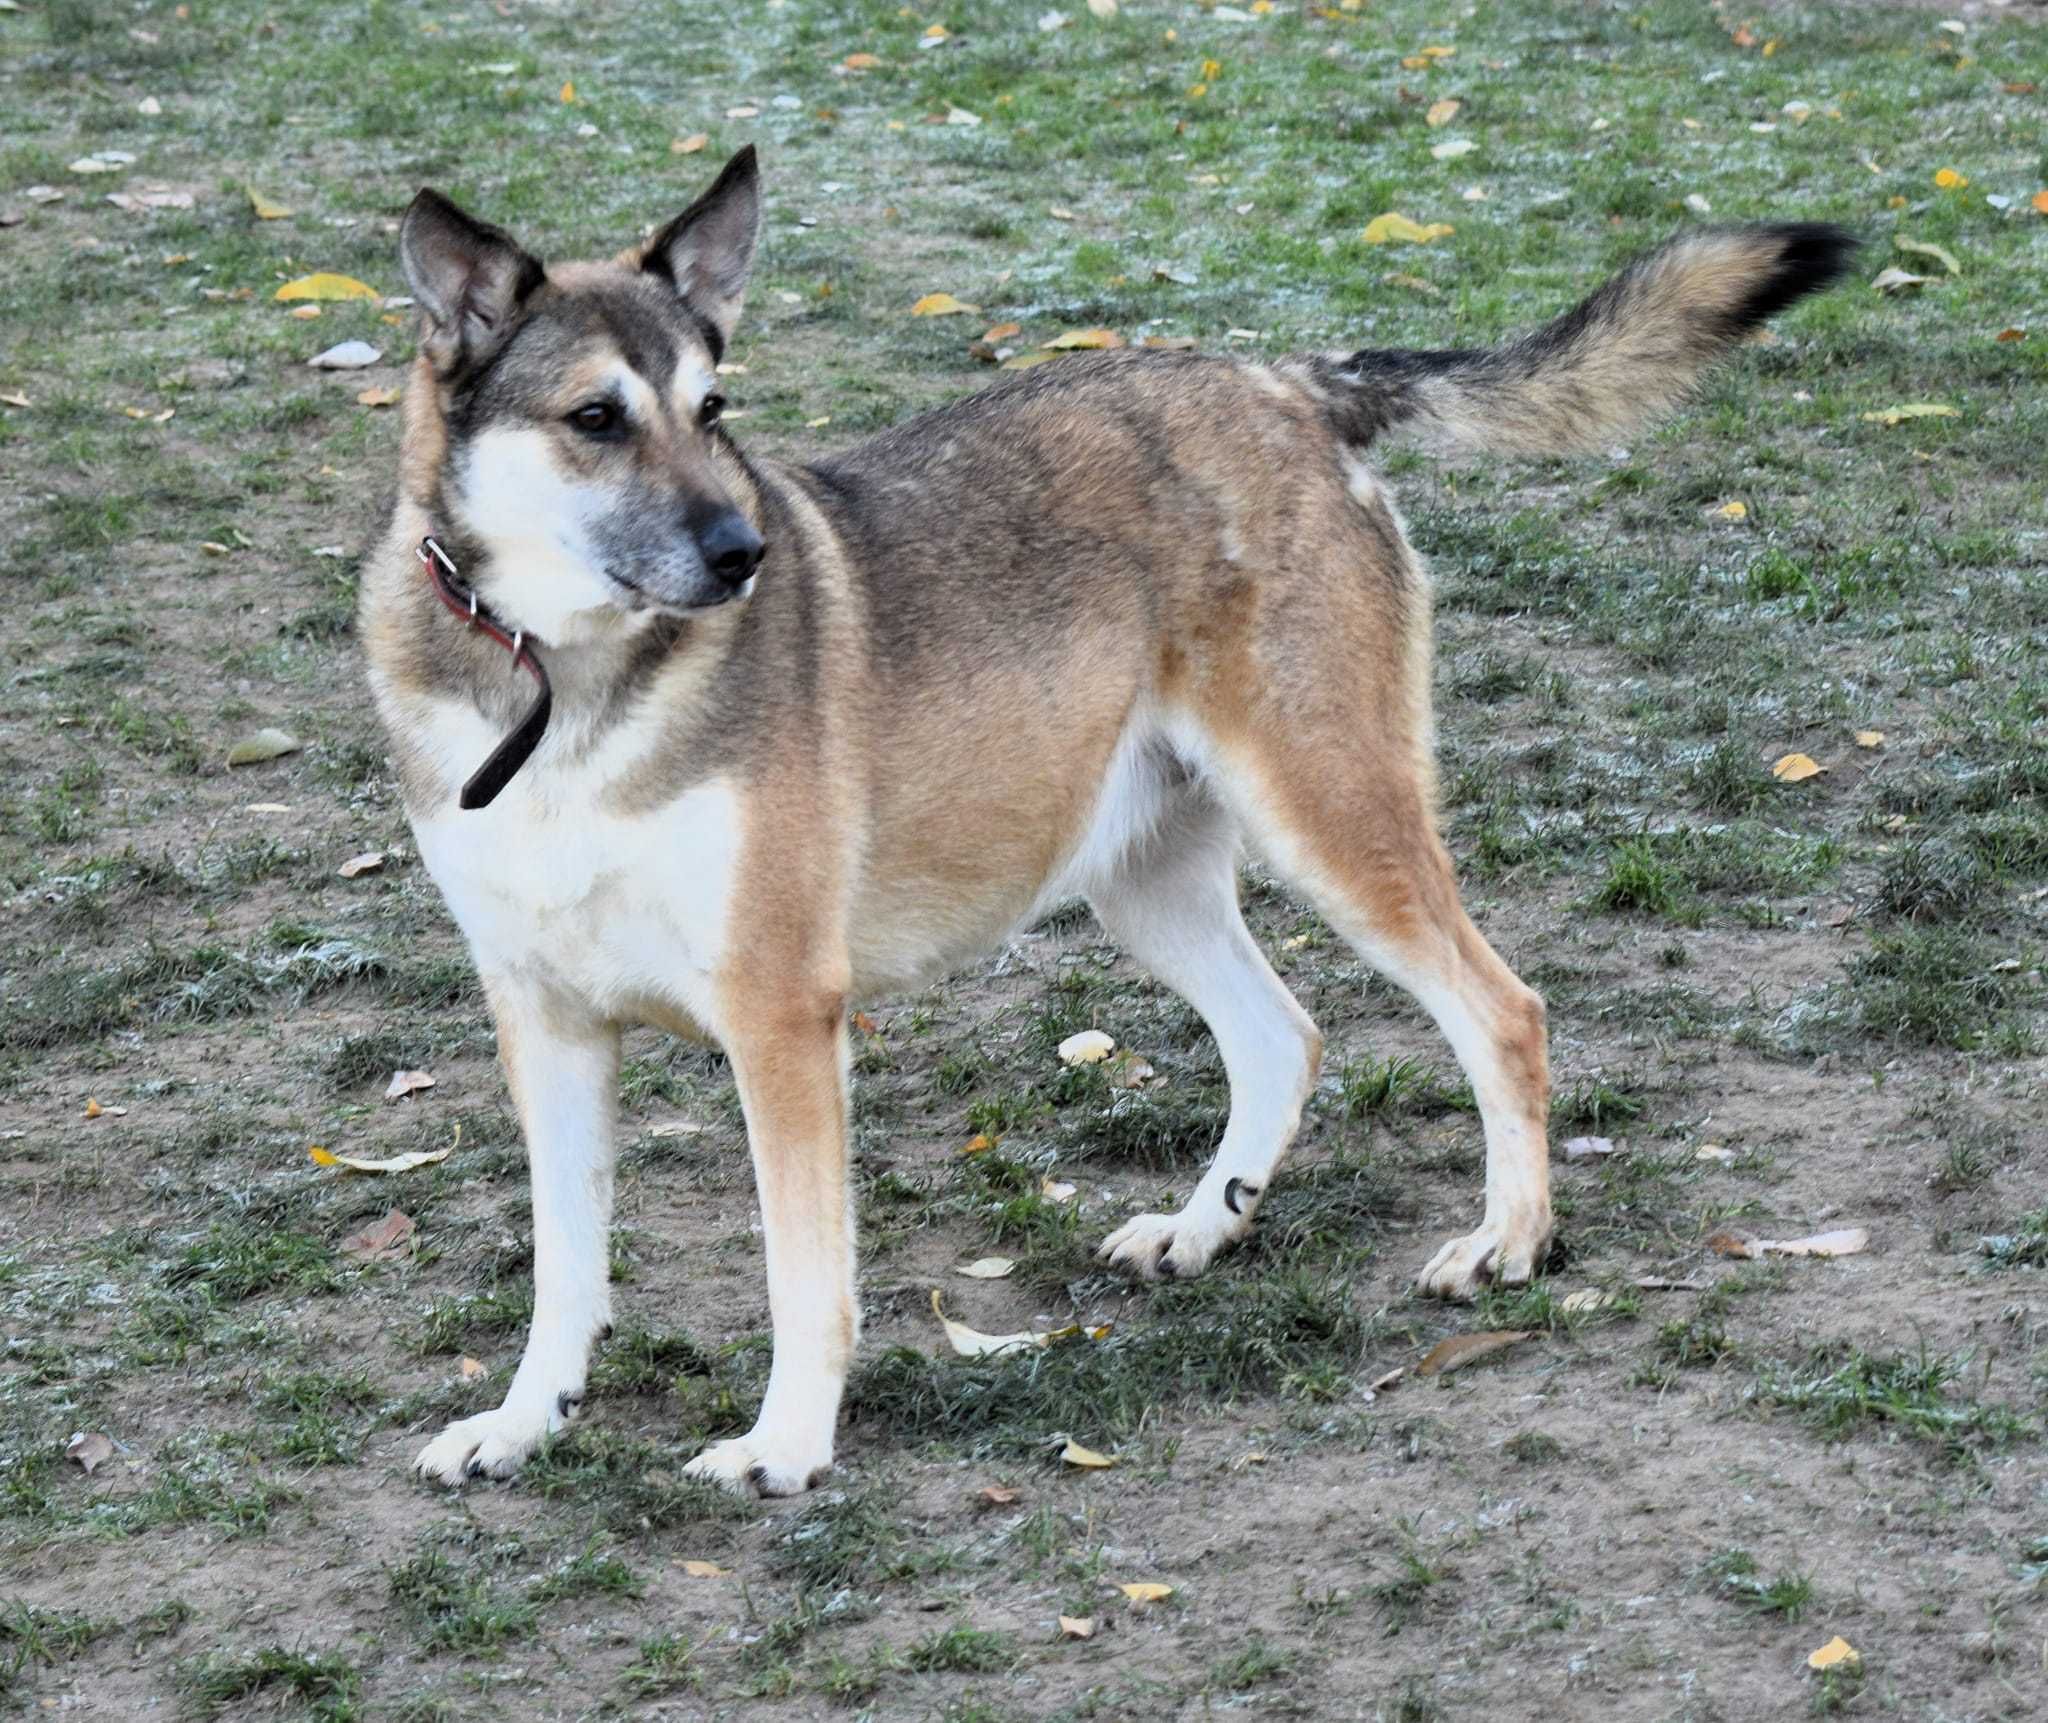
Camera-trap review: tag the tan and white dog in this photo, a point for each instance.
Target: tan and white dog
(825, 731)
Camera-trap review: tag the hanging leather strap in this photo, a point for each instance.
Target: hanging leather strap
(517, 748)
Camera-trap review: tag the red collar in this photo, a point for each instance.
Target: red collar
(517, 748)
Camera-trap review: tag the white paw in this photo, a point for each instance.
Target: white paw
(1503, 1255)
(1172, 1246)
(492, 1444)
(758, 1461)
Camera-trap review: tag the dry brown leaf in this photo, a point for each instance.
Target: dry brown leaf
(999, 1495)
(1849, 1241)
(370, 861)
(1462, 1349)
(1716, 1153)
(987, 1268)
(1586, 1300)
(1927, 248)
(861, 62)
(569, 92)
(1442, 113)
(2002, 335)
(16, 399)
(1092, 339)
(1870, 738)
(92, 1107)
(1837, 1651)
(690, 145)
(404, 1163)
(1001, 332)
(1169, 343)
(472, 1369)
(1795, 768)
(1024, 361)
(378, 398)
(265, 208)
(1089, 1047)
(381, 1240)
(1077, 1627)
(1589, 1148)
(89, 1450)
(1145, 1592)
(1056, 1190)
(941, 305)
(704, 1569)
(405, 1083)
(1086, 1458)
(1128, 1071)
(2040, 202)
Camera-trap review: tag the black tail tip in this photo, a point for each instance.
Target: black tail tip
(1811, 256)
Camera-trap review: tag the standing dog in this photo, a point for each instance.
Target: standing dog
(758, 739)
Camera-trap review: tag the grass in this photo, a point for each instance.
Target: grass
(1841, 979)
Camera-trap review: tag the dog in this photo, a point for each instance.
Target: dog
(718, 744)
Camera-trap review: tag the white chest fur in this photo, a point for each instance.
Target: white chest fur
(620, 911)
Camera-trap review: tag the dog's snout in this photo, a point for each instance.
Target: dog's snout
(731, 548)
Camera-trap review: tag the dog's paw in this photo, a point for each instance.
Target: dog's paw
(758, 1463)
(1494, 1255)
(492, 1444)
(1171, 1246)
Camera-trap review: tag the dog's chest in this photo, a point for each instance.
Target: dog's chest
(627, 913)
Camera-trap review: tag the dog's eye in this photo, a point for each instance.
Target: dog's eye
(594, 418)
(712, 411)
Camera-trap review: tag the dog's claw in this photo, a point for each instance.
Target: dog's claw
(1494, 1255)
(756, 1464)
(1172, 1246)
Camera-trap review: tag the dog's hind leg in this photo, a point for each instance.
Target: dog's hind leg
(1173, 907)
(1357, 836)
(564, 1074)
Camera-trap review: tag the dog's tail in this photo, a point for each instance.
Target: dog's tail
(1626, 355)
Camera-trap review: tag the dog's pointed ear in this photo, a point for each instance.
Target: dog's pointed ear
(707, 252)
(470, 278)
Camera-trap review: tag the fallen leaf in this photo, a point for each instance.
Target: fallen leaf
(135, 202)
(861, 62)
(263, 745)
(50, 194)
(1001, 331)
(1452, 148)
(704, 1569)
(961, 117)
(1086, 1458)
(348, 356)
(978, 1144)
(569, 92)
(1869, 738)
(1716, 1153)
(972, 1343)
(2002, 335)
(394, 1164)
(1442, 113)
(16, 400)
(266, 807)
(89, 1450)
(404, 1083)
(1094, 339)
(987, 1268)
(382, 1240)
(1895, 281)
(1055, 1190)
(1915, 410)
(326, 285)
(370, 861)
(1102, 8)
(1734, 509)
(102, 161)
(92, 1107)
(378, 398)
(1796, 768)
(1949, 180)
(1927, 248)
(472, 1369)
(1024, 361)
(690, 145)
(149, 107)
(1588, 1148)
(999, 1495)
(1849, 1241)
(1077, 1627)
(1089, 1047)
(1655, 1283)
(1128, 1071)
(1462, 1349)
(1586, 1300)
(304, 312)
(1145, 1591)
(1394, 228)
(2039, 200)
(941, 305)
(1837, 1651)
(265, 209)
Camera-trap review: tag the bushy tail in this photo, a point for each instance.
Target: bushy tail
(1626, 355)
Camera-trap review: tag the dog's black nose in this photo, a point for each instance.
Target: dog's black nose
(731, 548)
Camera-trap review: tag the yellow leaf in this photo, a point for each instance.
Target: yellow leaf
(972, 1343)
(1086, 1458)
(1211, 71)
(987, 1268)
(1870, 738)
(690, 145)
(979, 1144)
(1077, 1627)
(568, 92)
(1197, 91)
(1414, 63)
(1462, 1349)
(1091, 338)
(1915, 410)
(1089, 1047)
(1001, 331)
(1795, 769)
(1734, 509)
(939, 32)
(1949, 180)
(1438, 52)
(393, 1164)
(705, 1570)
(322, 1158)
(1394, 228)
(1927, 248)
(2040, 201)
(377, 398)
(1442, 113)
(861, 62)
(1837, 1651)
(1144, 1591)
(941, 305)
(326, 286)
(92, 1108)
(304, 313)
(265, 209)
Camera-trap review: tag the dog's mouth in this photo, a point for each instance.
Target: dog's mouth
(641, 598)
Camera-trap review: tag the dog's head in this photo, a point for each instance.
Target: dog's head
(578, 441)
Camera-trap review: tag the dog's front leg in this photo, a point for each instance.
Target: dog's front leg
(789, 1059)
(564, 1071)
